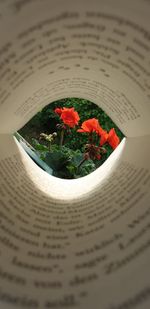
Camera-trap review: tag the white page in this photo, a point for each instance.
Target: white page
(86, 252)
(83, 243)
(97, 50)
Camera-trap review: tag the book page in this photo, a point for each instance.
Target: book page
(96, 50)
(89, 251)
(75, 243)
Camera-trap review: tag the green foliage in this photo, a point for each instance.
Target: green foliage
(65, 160)
(39, 147)
(86, 110)
(58, 157)
(46, 121)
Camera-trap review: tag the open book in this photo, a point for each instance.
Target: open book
(81, 243)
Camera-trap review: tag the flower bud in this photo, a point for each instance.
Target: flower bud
(86, 156)
(54, 134)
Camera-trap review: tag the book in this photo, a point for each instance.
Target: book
(82, 243)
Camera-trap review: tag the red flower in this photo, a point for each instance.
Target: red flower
(70, 117)
(103, 136)
(113, 139)
(58, 110)
(89, 126)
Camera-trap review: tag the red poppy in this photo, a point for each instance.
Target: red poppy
(70, 117)
(58, 110)
(89, 126)
(113, 139)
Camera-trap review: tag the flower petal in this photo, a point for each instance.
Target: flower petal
(80, 130)
(70, 117)
(103, 138)
(90, 125)
(58, 110)
(113, 138)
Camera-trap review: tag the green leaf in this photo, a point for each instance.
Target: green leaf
(57, 160)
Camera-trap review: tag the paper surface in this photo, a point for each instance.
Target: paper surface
(56, 49)
(75, 252)
(81, 243)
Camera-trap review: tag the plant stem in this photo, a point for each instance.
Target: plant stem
(82, 161)
(61, 137)
(90, 138)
